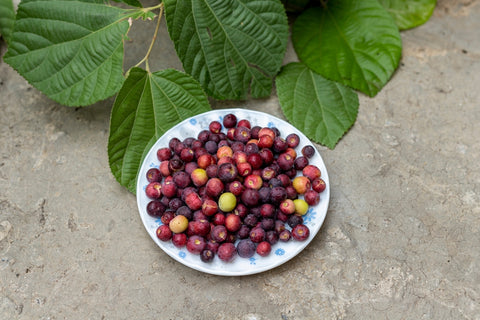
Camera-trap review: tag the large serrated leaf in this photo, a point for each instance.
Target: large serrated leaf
(7, 18)
(353, 42)
(145, 108)
(232, 47)
(71, 50)
(411, 13)
(322, 109)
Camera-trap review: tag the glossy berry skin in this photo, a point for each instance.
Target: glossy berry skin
(215, 127)
(229, 121)
(178, 224)
(232, 222)
(209, 207)
(312, 172)
(284, 235)
(154, 190)
(308, 151)
(187, 155)
(244, 123)
(214, 187)
(301, 184)
(155, 208)
(292, 140)
(164, 154)
(267, 210)
(227, 252)
(257, 235)
(196, 244)
(227, 172)
(193, 201)
(253, 182)
(294, 220)
(153, 175)
(218, 219)
(199, 177)
(167, 217)
(242, 134)
(300, 163)
(271, 236)
(245, 248)
(250, 197)
(227, 202)
(287, 206)
(207, 255)
(300, 232)
(236, 188)
(312, 197)
(264, 248)
(179, 240)
(219, 233)
(164, 233)
(319, 185)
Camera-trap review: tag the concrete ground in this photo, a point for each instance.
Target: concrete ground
(401, 239)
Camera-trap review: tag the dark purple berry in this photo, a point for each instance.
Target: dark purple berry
(229, 121)
(294, 220)
(207, 255)
(308, 151)
(155, 208)
(246, 248)
(153, 174)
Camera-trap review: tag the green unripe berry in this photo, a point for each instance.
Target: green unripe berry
(301, 206)
(227, 202)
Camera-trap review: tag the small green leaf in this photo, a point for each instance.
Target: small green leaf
(322, 109)
(353, 42)
(7, 18)
(145, 108)
(410, 13)
(71, 50)
(231, 47)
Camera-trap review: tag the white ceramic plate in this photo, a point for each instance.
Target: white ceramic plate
(281, 252)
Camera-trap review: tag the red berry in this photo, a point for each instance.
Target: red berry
(196, 244)
(227, 252)
(229, 121)
(300, 232)
(164, 233)
(264, 248)
(215, 127)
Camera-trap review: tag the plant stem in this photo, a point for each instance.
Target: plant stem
(145, 59)
(323, 3)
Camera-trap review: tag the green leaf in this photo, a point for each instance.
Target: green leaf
(411, 13)
(145, 108)
(322, 109)
(71, 50)
(353, 42)
(7, 18)
(231, 47)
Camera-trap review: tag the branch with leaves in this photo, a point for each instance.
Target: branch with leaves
(73, 51)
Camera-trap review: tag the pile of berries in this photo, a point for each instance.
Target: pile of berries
(233, 193)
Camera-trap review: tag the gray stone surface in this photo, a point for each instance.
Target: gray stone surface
(401, 239)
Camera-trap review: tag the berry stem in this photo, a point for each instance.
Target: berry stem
(149, 51)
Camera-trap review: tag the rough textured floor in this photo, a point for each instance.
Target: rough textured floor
(401, 239)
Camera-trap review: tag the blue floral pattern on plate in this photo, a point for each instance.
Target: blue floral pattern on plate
(282, 251)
